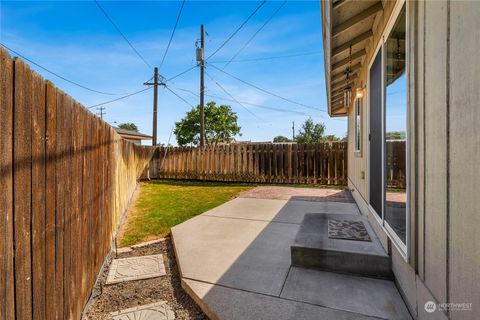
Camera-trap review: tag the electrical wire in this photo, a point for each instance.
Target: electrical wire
(301, 54)
(59, 76)
(181, 73)
(120, 98)
(257, 105)
(123, 36)
(255, 34)
(179, 97)
(238, 29)
(173, 32)
(224, 90)
(260, 106)
(246, 102)
(266, 91)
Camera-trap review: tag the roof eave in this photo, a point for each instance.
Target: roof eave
(353, 23)
(326, 10)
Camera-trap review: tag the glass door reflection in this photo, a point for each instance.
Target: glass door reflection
(395, 214)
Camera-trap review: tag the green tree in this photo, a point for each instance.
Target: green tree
(281, 139)
(310, 132)
(331, 138)
(128, 126)
(395, 135)
(220, 125)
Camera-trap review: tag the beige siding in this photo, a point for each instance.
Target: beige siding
(435, 148)
(464, 119)
(449, 152)
(444, 92)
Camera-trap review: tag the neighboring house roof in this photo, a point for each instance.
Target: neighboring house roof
(345, 25)
(129, 134)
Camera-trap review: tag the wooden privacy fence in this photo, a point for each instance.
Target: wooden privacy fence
(321, 163)
(396, 164)
(66, 178)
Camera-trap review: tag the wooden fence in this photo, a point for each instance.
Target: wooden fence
(66, 178)
(396, 164)
(322, 163)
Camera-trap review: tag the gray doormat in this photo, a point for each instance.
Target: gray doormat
(347, 230)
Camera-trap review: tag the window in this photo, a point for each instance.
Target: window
(358, 126)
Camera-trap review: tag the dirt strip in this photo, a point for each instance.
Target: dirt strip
(130, 294)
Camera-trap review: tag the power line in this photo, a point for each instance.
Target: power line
(224, 90)
(123, 36)
(301, 54)
(255, 34)
(266, 91)
(57, 75)
(257, 105)
(181, 73)
(128, 95)
(260, 106)
(173, 32)
(179, 97)
(249, 103)
(238, 29)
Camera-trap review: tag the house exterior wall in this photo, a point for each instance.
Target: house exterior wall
(135, 141)
(444, 146)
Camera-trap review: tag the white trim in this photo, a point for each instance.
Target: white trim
(397, 242)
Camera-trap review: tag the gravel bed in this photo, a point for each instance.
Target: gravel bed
(114, 297)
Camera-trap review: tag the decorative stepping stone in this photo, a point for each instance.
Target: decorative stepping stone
(154, 311)
(136, 268)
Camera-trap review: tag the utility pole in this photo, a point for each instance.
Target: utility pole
(293, 130)
(101, 112)
(155, 85)
(201, 60)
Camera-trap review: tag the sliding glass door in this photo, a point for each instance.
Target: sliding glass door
(396, 129)
(388, 138)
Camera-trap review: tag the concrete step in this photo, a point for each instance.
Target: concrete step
(313, 248)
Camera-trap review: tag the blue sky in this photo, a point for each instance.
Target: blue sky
(74, 39)
(396, 102)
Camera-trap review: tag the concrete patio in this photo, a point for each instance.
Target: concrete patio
(235, 261)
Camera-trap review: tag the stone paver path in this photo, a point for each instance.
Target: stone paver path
(136, 268)
(153, 311)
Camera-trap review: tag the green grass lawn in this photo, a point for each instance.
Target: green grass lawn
(164, 204)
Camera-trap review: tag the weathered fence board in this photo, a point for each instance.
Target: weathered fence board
(66, 178)
(262, 163)
(38, 197)
(7, 280)
(22, 140)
